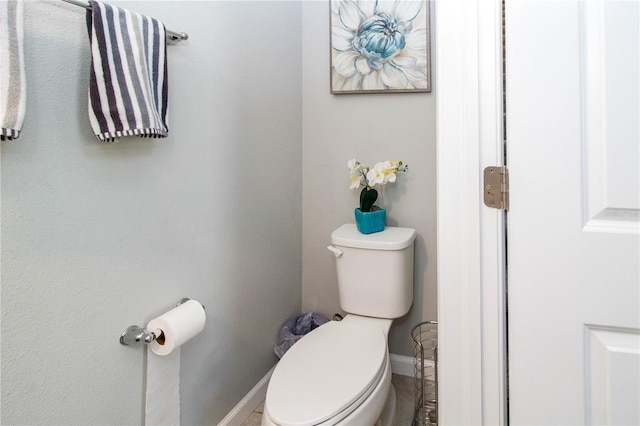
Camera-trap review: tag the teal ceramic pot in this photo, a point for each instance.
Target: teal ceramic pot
(370, 222)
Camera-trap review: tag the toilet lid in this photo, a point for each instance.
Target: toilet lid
(325, 372)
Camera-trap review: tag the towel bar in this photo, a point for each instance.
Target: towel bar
(172, 35)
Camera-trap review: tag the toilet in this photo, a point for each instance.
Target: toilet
(340, 373)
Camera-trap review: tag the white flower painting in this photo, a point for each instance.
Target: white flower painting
(380, 46)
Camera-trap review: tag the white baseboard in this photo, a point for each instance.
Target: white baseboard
(401, 365)
(250, 402)
(404, 366)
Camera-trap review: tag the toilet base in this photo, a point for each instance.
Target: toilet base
(389, 410)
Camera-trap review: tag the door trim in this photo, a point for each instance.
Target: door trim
(471, 238)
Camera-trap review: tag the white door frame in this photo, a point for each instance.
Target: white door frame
(472, 386)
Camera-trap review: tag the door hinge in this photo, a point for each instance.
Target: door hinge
(496, 187)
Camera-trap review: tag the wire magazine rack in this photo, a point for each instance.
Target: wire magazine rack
(425, 361)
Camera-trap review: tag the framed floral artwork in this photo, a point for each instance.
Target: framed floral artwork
(380, 46)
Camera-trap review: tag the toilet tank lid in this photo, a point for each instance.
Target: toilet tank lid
(392, 238)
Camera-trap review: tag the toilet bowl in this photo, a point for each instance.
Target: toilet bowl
(339, 373)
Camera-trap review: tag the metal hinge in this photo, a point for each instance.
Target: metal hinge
(496, 187)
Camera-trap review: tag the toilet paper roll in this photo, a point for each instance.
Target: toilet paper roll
(176, 327)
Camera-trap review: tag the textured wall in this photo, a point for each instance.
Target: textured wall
(371, 128)
(96, 237)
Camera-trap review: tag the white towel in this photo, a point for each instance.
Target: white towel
(13, 87)
(128, 80)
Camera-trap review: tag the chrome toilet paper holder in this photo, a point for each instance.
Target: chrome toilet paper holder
(136, 335)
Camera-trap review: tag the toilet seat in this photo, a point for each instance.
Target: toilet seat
(327, 374)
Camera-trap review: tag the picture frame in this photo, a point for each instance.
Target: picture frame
(380, 46)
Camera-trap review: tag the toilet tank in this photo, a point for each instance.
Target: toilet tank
(375, 271)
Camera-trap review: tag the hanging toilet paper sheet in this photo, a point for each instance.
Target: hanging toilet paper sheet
(162, 405)
(172, 330)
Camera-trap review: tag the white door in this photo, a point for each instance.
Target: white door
(573, 112)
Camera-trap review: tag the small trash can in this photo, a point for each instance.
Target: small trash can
(425, 361)
(295, 328)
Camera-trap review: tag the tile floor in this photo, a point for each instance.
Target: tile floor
(404, 403)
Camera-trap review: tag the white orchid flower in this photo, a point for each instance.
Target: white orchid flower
(376, 174)
(382, 173)
(392, 165)
(389, 176)
(354, 164)
(356, 181)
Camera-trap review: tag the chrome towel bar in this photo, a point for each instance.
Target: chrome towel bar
(172, 35)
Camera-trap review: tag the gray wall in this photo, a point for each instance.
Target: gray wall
(371, 128)
(96, 237)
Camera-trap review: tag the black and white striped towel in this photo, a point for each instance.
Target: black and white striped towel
(128, 81)
(13, 87)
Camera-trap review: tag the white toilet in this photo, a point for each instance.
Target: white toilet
(340, 374)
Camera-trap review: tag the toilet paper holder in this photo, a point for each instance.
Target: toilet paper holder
(134, 334)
